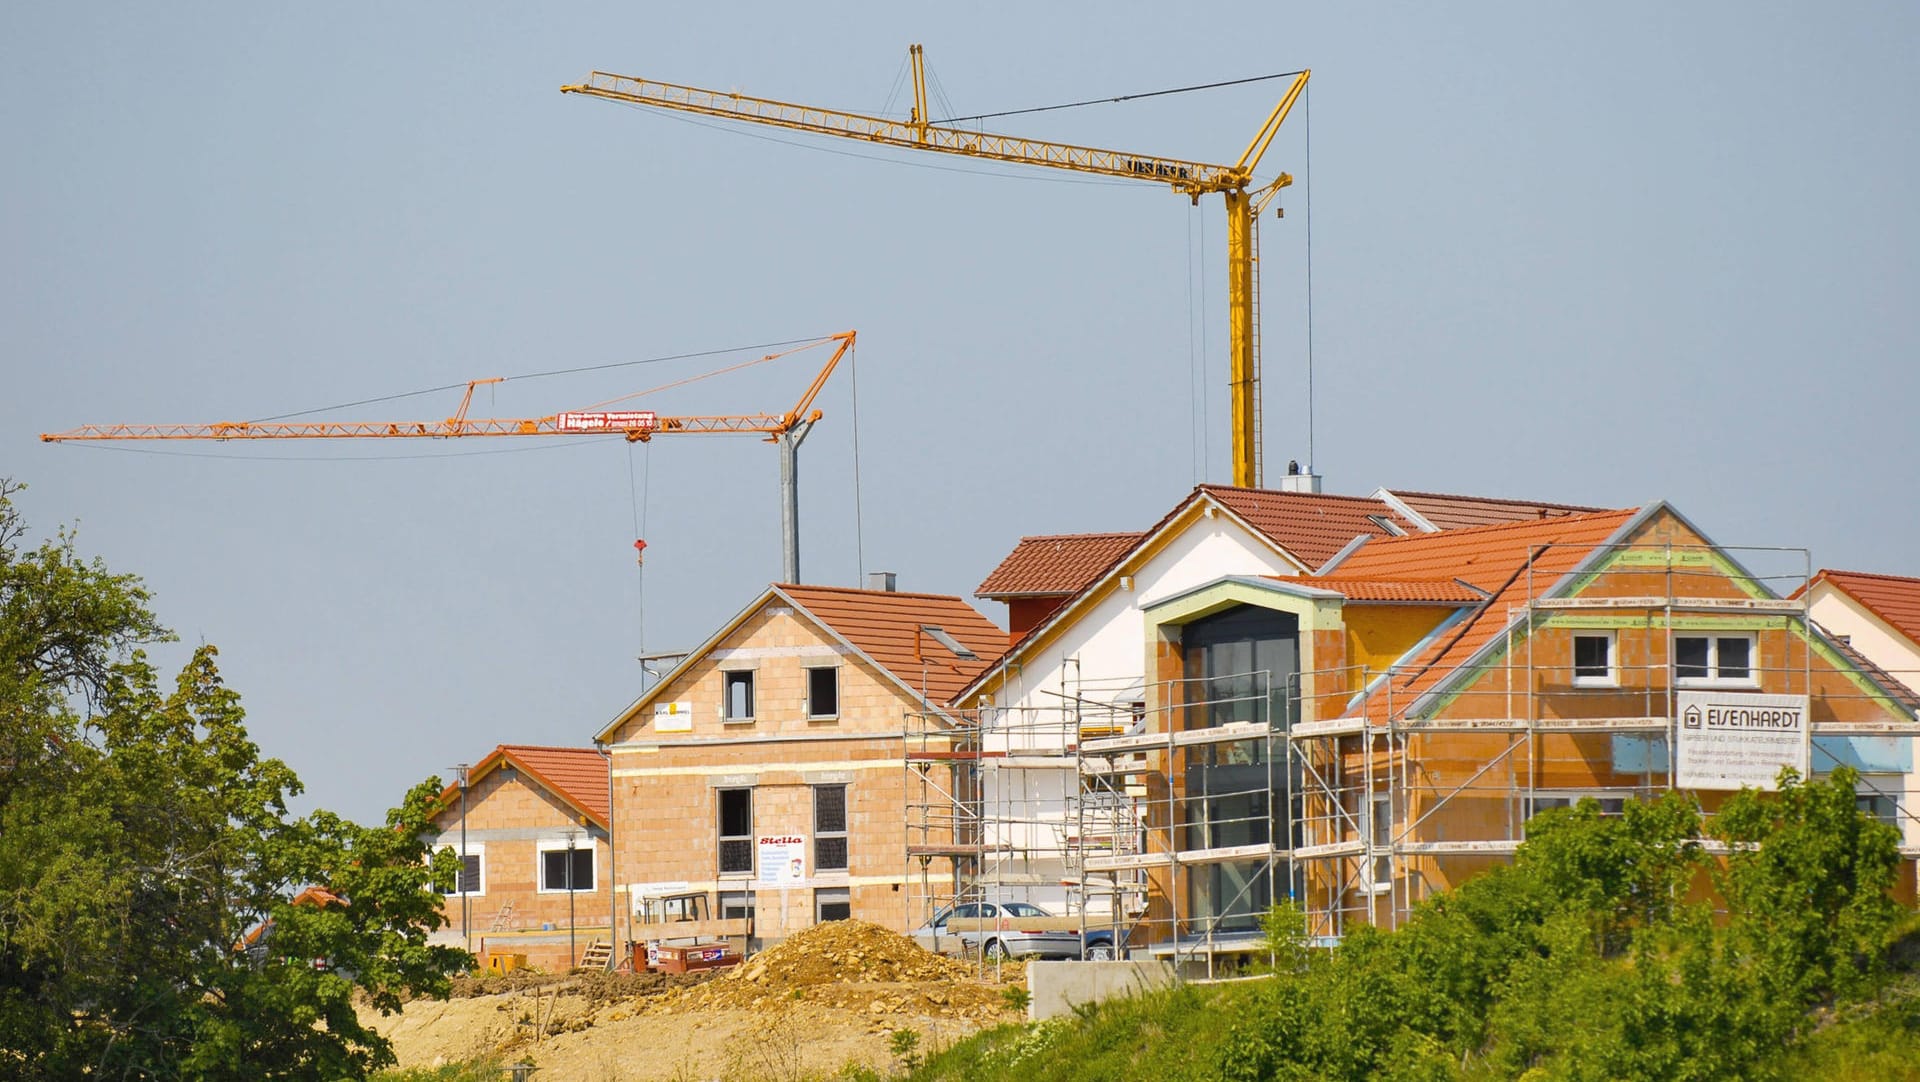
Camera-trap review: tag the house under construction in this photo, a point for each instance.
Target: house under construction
(1359, 736)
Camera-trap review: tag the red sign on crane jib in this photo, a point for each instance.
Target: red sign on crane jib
(608, 421)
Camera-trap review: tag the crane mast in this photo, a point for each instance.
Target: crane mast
(785, 430)
(1193, 179)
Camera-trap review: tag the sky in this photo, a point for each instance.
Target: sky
(1597, 254)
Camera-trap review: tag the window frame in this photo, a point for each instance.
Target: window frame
(478, 851)
(823, 896)
(1713, 677)
(1379, 832)
(544, 846)
(1611, 678)
(844, 834)
(728, 678)
(834, 671)
(744, 899)
(721, 839)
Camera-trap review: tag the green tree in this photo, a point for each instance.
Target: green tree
(143, 837)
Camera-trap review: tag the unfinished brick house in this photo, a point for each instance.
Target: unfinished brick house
(532, 825)
(766, 769)
(1361, 737)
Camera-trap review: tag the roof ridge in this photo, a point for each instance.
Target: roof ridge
(1830, 571)
(551, 747)
(1303, 495)
(870, 593)
(1491, 527)
(1498, 499)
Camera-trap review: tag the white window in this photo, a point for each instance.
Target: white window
(471, 880)
(736, 695)
(562, 868)
(1714, 659)
(1378, 824)
(1593, 660)
(1547, 800)
(823, 692)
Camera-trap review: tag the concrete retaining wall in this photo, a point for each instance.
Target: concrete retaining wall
(1057, 987)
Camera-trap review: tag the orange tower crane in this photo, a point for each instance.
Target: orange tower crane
(1245, 200)
(786, 430)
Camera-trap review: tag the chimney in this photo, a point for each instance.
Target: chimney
(1295, 481)
(880, 580)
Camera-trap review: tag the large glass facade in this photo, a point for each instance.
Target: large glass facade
(1241, 665)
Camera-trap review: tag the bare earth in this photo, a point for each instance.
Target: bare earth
(830, 996)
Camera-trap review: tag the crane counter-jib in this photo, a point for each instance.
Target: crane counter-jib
(1189, 178)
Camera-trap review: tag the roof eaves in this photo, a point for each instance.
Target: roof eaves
(1871, 672)
(693, 656)
(1258, 582)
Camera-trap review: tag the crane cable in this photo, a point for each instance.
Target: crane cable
(639, 498)
(1122, 97)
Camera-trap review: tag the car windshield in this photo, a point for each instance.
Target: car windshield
(1024, 909)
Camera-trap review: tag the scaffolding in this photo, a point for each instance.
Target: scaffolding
(1176, 811)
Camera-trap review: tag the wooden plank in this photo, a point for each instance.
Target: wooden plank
(691, 929)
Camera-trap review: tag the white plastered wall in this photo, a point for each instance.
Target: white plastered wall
(1099, 654)
(1840, 614)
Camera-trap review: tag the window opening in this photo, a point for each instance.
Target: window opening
(555, 873)
(830, 828)
(823, 692)
(738, 705)
(736, 831)
(1726, 659)
(832, 903)
(1593, 660)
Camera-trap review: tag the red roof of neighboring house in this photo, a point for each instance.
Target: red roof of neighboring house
(1409, 591)
(1055, 565)
(1312, 526)
(1890, 597)
(1449, 512)
(578, 776)
(885, 625)
(1511, 562)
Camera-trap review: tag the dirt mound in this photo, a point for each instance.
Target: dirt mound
(852, 965)
(847, 952)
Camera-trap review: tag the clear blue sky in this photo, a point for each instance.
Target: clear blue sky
(1593, 253)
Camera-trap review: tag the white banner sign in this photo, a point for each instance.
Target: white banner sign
(673, 717)
(783, 860)
(607, 421)
(1730, 740)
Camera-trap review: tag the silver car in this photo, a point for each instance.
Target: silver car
(1010, 941)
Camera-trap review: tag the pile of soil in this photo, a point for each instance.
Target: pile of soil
(847, 951)
(855, 966)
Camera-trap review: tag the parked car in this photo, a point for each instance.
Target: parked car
(1044, 938)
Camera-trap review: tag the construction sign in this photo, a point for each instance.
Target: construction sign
(783, 860)
(1734, 740)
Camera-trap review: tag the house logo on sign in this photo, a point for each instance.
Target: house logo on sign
(1691, 719)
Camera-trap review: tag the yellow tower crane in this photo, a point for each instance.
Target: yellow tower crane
(786, 430)
(1245, 201)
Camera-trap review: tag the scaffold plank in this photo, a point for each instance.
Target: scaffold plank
(1494, 845)
(1331, 849)
(1121, 862)
(1116, 745)
(1309, 730)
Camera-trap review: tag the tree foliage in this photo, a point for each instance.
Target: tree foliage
(144, 841)
(1584, 959)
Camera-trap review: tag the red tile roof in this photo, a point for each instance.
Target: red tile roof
(1412, 591)
(1448, 512)
(1890, 597)
(1055, 565)
(1506, 560)
(1312, 526)
(885, 626)
(578, 776)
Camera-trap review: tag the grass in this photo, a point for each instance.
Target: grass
(1167, 1035)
